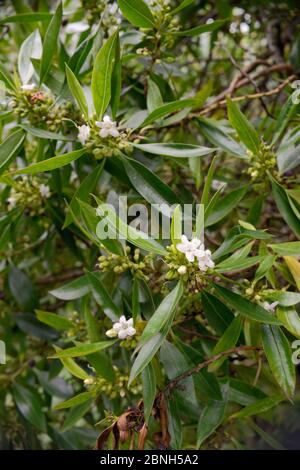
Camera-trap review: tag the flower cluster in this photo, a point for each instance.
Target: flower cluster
(39, 107)
(109, 14)
(103, 138)
(261, 163)
(133, 262)
(195, 249)
(29, 193)
(119, 387)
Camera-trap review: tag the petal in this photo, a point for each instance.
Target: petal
(103, 133)
(122, 334)
(99, 123)
(117, 326)
(130, 322)
(184, 239)
(196, 242)
(181, 247)
(131, 331)
(190, 256)
(114, 132)
(106, 119)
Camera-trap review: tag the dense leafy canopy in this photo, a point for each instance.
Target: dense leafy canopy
(135, 342)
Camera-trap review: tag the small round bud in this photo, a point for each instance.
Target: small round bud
(182, 270)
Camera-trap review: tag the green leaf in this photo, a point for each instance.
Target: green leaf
(211, 418)
(168, 108)
(149, 390)
(261, 406)
(286, 249)
(71, 366)
(181, 6)
(87, 186)
(103, 298)
(152, 188)
(285, 298)
(279, 356)
(285, 115)
(72, 290)
(50, 164)
(30, 406)
(9, 148)
(136, 237)
(245, 307)
(244, 128)
(75, 401)
(83, 349)
(290, 319)
(148, 351)
(163, 314)
(137, 12)
(26, 18)
(52, 319)
(203, 28)
(76, 413)
(229, 266)
(217, 136)
(116, 80)
(102, 74)
(42, 134)
(50, 42)
(283, 204)
(77, 92)
(154, 98)
(227, 341)
(22, 289)
(219, 210)
(218, 314)
(175, 150)
(145, 355)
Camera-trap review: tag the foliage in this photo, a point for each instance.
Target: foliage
(141, 342)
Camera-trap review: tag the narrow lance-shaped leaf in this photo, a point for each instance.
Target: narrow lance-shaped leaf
(163, 313)
(137, 12)
(102, 74)
(9, 148)
(50, 42)
(279, 355)
(244, 128)
(77, 92)
(245, 307)
(50, 164)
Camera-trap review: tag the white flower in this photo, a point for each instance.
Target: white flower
(12, 202)
(204, 260)
(83, 133)
(77, 27)
(44, 190)
(216, 185)
(123, 328)
(182, 270)
(29, 86)
(270, 307)
(108, 127)
(192, 249)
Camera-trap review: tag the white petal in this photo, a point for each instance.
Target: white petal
(130, 322)
(104, 133)
(122, 334)
(99, 123)
(117, 326)
(196, 242)
(181, 247)
(131, 331)
(190, 256)
(114, 132)
(184, 239)
(106, 119)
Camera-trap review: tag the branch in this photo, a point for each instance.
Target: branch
(173, 384)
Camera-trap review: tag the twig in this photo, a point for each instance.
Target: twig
(173, 384)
